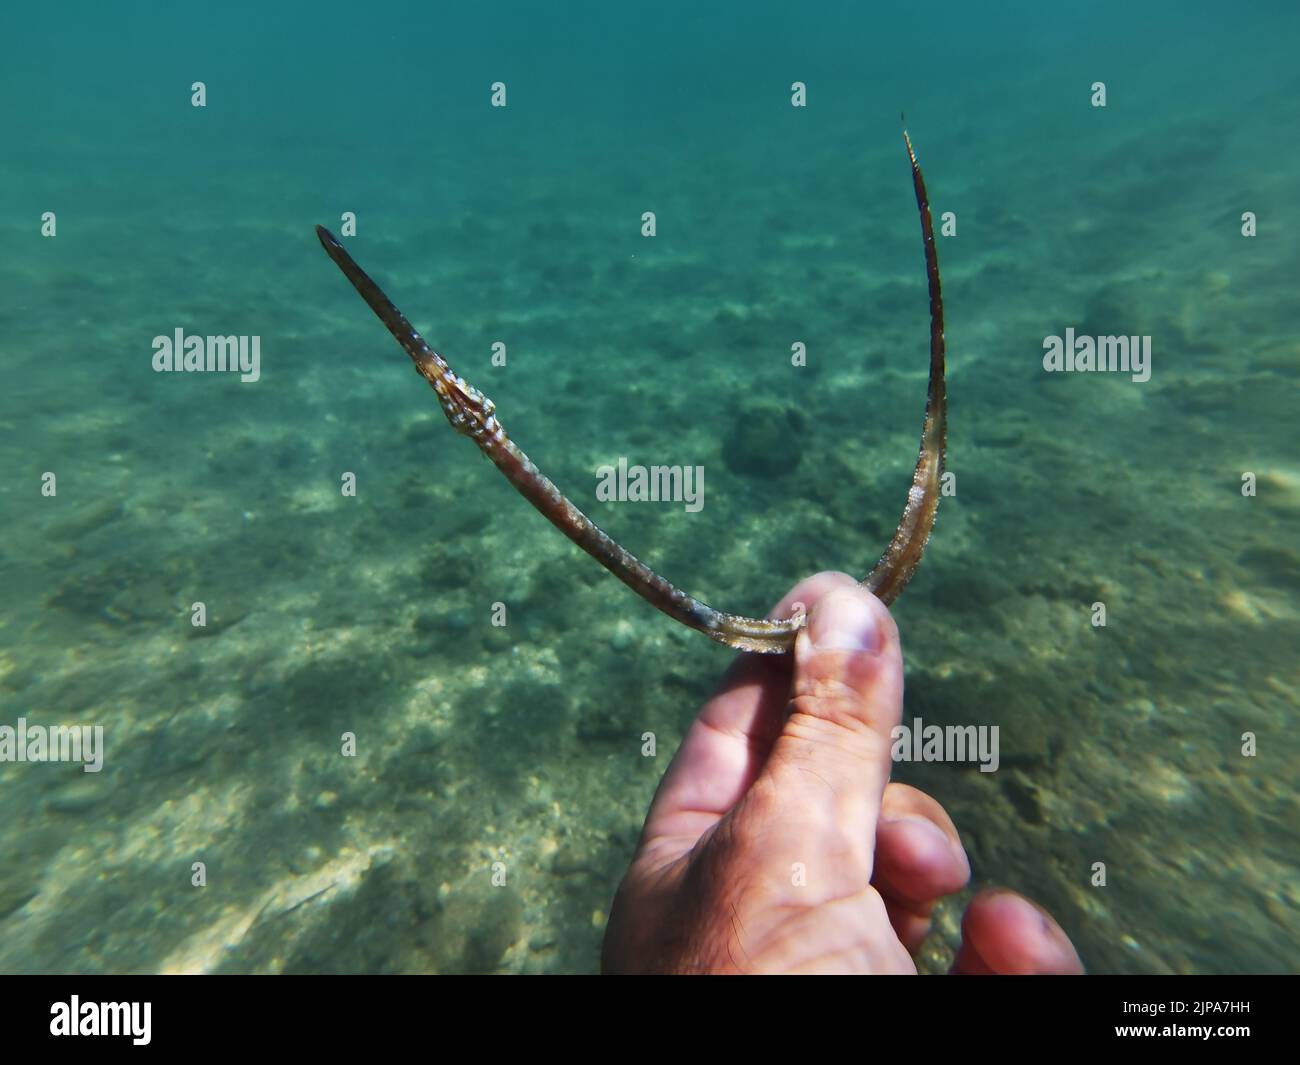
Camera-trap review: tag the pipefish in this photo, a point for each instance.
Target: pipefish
(473, 414)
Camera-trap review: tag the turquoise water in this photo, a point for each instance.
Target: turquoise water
(372, 614)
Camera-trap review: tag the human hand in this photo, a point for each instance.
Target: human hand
(776, 843)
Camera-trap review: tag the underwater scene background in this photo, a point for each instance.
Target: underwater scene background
(372, 613)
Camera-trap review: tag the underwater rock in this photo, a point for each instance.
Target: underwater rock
(87, 520)
(79, 795)
(440, 623)
(448, 567)
(17, 889)
(217, 623)
(1023, 796)
(1279, 490)
(1274, 565)
(1115, 309)
(765, 440)
(494, 930)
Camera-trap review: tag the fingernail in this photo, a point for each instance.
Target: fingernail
(936, 835)
(923, 827)
(1047, 922)
(844, 621)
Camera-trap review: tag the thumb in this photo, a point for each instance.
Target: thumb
(829, 767)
